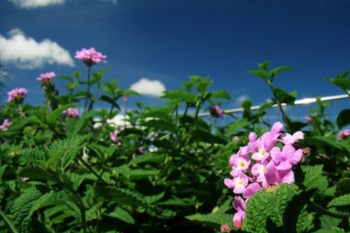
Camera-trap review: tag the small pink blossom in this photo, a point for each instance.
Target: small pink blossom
(240, 206)
(90, 56)
(285, 159)
(47, 77)
(216, 111)
(5, 124)
(17, 95)
(290, 139)
(308, 119)
(24, 179)
(344, 133)
(114, 137)
(72, 112)
(225, 228)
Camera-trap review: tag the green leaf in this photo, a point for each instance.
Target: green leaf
(217, 218)
(160, 124)
(38, 172)
(284, 97)
(343, 200)
(343, 118)
(343, 187)
(313, 177)
(265, 205)
(130, 92)
(260, 73)
(328, 222)
(246, 105)
(9, 222)
(331, 142)
(220, 94)
(264, 66)
(122, 215)
(235, 126)
(146, 158)
(63, 152)
(121, 196)
(21, 209)
(109, 100)
(279, 69)
(154, 198)
(177, 94)
(294, 210)
(52, 116)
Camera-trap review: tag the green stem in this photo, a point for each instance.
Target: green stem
(99, 177)
(88, 88)
(325, 211)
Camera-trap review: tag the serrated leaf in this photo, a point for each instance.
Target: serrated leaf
(343, 200)
(154, 198)
(139, 173)
(122, 215)
(185, 96)
(331, 142)
(293, 211)
(313, 177)
(343, 118)
(328, 222)
(279, 69)
(265, 205)
(217, 218)
(20, 211)
(121, 196)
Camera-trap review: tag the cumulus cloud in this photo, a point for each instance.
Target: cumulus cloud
(36, 3)
(27, 53)
(148, 87)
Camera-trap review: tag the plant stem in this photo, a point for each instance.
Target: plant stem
(325, 211)
(88, 88)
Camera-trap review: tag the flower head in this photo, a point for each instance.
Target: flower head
(5, 124)
(17, 95)
(225, 228)
(90, 56)
(114, 137)
(47, 77)
(72, 112)
(216, 111)
(344, 133)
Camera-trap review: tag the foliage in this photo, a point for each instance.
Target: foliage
(164, 170)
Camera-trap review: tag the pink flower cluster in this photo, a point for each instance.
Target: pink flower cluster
(5, 124)
(17, 95)
(72, 112)
(343, 134)
(47, 77)
(265, 161)
(216, 111)
(114, 137)
(90, 56)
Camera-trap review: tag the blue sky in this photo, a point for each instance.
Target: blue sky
(165, 41)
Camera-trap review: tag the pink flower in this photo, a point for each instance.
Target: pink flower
(225, 228)
(344, 133)
(285, 159)
(239, 164)
(90, 56)
(114, 137)
(276, 177)
(5, 124)
(24, 179)
(17, 95)
(308, 119)
(47, 77)
(72, 112)
(216, 111)
(290, 139)
(251, 190)
(240, 206)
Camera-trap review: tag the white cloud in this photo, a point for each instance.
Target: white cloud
(148, 87)
(36, 3)
(112, 1)
(26, 53)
